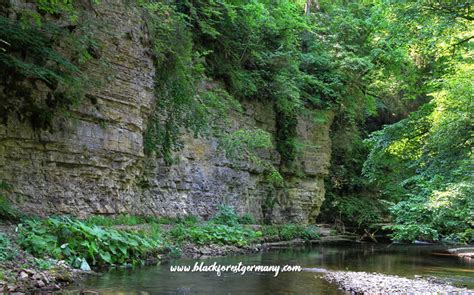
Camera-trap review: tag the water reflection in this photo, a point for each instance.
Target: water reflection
(403, 260)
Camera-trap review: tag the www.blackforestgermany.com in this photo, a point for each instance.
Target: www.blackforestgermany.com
(235, 268)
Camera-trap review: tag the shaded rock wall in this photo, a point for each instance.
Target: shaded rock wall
(204, 178)
(89, 163)
(94, 163)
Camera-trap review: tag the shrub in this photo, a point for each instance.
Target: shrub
(271, 233)
(71, 239)
(441, 215)
(7, 211)
(123, 219)
(7, 252)
(214, 234)
(310, 233)
(424, 163)
(247, 218)
(358, 210)
(126, 219)
(29, 52)
(188, 219)
(226, 215)
(288, 232)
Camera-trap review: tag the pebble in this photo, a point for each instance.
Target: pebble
(23, 275)
(40, 284)
(378, 284)
(29, 271)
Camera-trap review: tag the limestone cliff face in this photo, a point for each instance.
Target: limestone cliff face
(89, 164)
(204, 178)
(94, 163)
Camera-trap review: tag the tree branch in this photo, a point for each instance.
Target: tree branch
(463, 41)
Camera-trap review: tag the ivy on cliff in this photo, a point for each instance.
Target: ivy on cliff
(185, 99)
(255, 50)
(369, 62)
(39, 81)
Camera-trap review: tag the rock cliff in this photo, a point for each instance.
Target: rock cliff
(94, 162)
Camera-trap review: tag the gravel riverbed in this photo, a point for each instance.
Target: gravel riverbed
(378, 284)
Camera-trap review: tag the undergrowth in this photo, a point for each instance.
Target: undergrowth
(211, 233)
(70, 239)
(289, 232)
(127, 239)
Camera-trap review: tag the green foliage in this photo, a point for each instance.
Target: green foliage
(188, 219)
(440, 215)
(350, 80)
(71, 239)
(226, 215)
(43, 264)
(289, 232)
(358, 211)
(7, 252)
(253, 50)
(426, 162)
(286, 135)
(176, 79)
(154, 232)
(43, 64)
(238, 143)
(349, 197)
(247, 218)
(181, 102)
(30, 60)
(55, 7)
(7, 211)
(17, 37)
(245, 144)
(125, 219)
(224, 228)
(417, 53)
(211, 233)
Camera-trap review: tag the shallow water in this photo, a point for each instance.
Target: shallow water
(402, 260)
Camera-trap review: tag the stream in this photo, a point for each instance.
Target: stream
(401, 260)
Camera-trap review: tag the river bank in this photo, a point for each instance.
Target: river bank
(376, 283)
(32, 263)
(190, 250)
(185, 239)
(21, 272)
